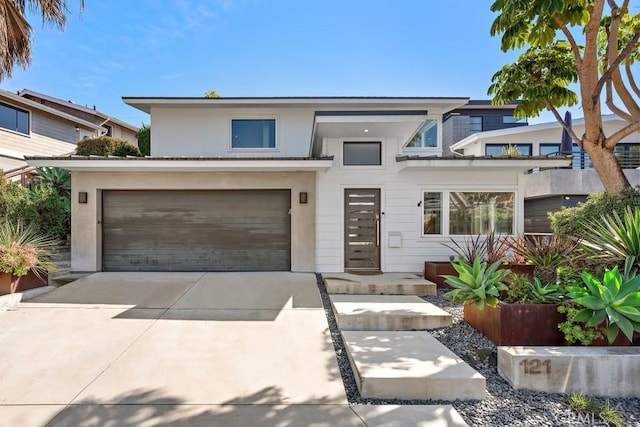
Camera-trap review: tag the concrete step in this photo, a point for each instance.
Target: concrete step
(383, 284)
(409, 365)
(387, 313)
(409, 415)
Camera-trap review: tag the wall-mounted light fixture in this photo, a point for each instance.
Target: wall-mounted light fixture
(82, 197)
(303, 197)
(77, 128)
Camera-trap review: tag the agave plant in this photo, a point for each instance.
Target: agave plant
(510, 150)
(546, 294)
(477, 283)
(59, 179)
(612, 238)
(546, 253)
(615, 301)
(23, 249)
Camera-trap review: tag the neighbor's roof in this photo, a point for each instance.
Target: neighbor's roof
(145, 103)
(476, 137)
(71, 104)
(32, 105)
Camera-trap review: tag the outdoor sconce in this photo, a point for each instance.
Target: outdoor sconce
(82, 197)
(303, 198)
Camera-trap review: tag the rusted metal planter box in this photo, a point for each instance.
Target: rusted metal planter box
(517, 324)
(10, 284)
(434, 270)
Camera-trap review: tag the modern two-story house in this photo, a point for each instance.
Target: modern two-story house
(325, 184)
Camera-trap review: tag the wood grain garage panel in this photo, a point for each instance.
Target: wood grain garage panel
(193, 230)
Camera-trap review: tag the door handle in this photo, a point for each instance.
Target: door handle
(377, 230)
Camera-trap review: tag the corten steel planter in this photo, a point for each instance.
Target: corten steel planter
(434, 270)
(10, 284)
(526, 269)
(517, 324)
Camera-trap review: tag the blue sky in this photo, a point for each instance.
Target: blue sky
(263, 48)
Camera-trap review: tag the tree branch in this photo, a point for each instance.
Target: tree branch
(612, 4)
(632, 80)
(623, 55)
(572, 41)
(613, 107)
(624, 132)
(564, 124)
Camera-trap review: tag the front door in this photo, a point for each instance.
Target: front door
(362, 229)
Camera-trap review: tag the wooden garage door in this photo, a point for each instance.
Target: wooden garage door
(246, 230)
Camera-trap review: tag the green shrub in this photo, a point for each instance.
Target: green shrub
(518, 291)
(568, 221)
(99, 146)
(123, 149)
(40, 207)
(144, 139)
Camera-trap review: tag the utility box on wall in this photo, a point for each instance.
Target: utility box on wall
(395, 239)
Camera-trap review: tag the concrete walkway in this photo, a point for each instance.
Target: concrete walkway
(181, 349)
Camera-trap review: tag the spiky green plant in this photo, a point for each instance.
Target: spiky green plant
(546, 253)
(615, 300)
(613, 238)
(477, 283)
(546, 294)
(510, 150)
(23, 249)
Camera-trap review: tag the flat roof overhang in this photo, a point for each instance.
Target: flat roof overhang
(182, 164)
(519, 163)
(318, 102)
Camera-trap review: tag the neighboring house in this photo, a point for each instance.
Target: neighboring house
(29, 128)
(550, 190)
(326, 184)
(112, 126)
(477, 116)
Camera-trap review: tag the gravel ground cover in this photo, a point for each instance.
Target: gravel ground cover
(503, 405)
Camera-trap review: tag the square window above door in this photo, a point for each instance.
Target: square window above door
(362, 153)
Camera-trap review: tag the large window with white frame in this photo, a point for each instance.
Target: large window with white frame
(14, 119)
(467, 212)
(426, 137)
(253, 133)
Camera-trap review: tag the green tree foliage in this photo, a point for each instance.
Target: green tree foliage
(568, 221)
(144, 139)
(211, 94)
(16, 33)
(591, 43)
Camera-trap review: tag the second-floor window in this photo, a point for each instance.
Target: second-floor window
(362, 153)
(475, 124)
(14, 119)
(253, 133)
(426, 137)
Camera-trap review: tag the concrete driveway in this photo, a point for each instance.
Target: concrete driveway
(172, 349)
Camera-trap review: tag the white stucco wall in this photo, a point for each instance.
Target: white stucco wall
(400, 194)
(206, 131)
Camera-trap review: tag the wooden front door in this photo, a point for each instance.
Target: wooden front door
(362, 229)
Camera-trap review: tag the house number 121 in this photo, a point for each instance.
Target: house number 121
(535, 366)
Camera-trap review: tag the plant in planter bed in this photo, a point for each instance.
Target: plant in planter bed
(545, 253)
(522, 313)
(24, 257)
(611, 305)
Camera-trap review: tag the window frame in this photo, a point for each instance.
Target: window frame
(426, 150)
(502, 145)
(276, 146)
(18, 109)
(481, 124)
(362, 141)
(446, 208)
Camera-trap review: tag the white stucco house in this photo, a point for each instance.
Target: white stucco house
(324, 184)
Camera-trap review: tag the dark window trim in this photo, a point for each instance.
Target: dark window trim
(27, 112)
(378, 143)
